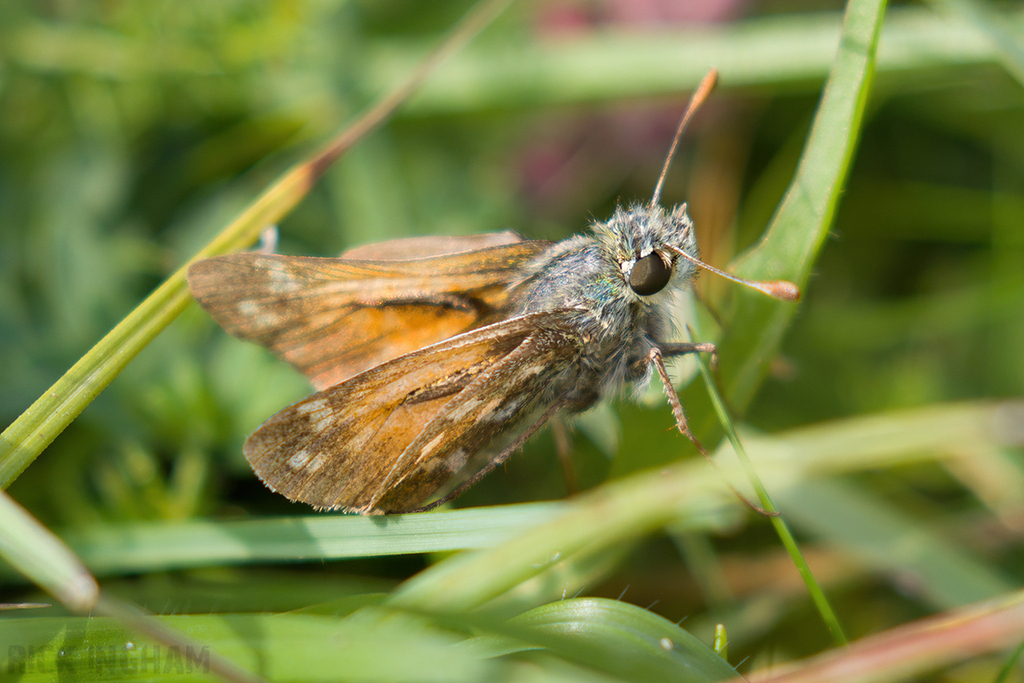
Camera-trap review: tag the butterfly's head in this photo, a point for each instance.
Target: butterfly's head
(645, 241)
(657, 251)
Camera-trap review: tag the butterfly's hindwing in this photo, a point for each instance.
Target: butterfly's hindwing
(481, 418)
(360, 444)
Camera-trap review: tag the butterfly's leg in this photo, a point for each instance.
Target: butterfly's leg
(681, 349)
(656, 356)
(673, 398)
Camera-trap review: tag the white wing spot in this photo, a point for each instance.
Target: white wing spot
(256, 312)
(279, 281)
(506, 412)
(432, 445)
(317, 463)
(321, 417)
(491, 407)
(465, 409)
(249, 308)
(309, 407)
(494, 412)
(299, 459)
(324, 424)
(457, 460)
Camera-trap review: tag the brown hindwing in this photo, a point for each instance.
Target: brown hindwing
(388, 438)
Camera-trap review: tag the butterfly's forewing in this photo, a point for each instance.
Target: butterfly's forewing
(333, 344)
(333, 318)
(388, 438)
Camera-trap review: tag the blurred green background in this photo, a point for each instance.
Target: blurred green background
(130, 133)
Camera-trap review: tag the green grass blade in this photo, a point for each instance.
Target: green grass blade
(693, 495)
(795, 50)
(686, 490)
(889, 540)
(156, 546)
(1011, 663)
(1008, 46)
(370, 643)
(802, 221)
(294, 647)
(828, 615)
(622, 640)
(33, 550)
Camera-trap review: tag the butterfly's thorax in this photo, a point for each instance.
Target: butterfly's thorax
(589, 274)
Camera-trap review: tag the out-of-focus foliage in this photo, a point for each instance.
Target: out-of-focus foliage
(131, 132)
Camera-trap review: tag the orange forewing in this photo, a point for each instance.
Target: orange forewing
(332, 318)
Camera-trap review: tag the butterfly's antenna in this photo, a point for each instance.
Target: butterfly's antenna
(699, 95)
(777, 289)
(784, 290)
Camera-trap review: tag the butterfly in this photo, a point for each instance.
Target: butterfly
(435, 358)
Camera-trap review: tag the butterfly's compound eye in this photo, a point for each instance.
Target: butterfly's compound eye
(649, 275)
